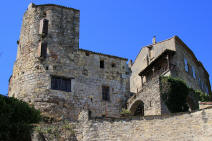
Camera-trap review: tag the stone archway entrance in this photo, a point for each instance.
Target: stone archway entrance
(137, 108)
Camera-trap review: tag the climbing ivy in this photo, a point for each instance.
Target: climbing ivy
(174, 94)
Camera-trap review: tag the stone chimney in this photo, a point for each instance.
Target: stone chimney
(154, 40)
(130, 63)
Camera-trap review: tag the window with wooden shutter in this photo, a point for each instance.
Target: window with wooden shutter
(105, 93)
(60, 83)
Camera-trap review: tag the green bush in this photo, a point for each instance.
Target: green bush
(125, 112)
(174, 94)
(16, 118)
(203, 97)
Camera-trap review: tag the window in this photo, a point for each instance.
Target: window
(59, 83)
(87, 53)
(102, 64)
(42, 50)
(44, 27)
(194, 72)
(113, 65)
(105, 93)
(190, 69)
(186, 64)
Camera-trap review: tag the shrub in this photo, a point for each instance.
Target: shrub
(16, 118)
(125, 112)
(203, 97)
(174, 94)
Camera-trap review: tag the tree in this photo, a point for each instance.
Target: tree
(16, 118)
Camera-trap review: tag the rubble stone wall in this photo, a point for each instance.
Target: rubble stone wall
(195, 126)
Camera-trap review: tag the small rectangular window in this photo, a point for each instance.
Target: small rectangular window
(190, 70)
(113, 65)
(102, 65)
(59, 83)
(42, 50)
(44, 27)
(105, 93)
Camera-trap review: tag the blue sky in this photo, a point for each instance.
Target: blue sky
(118, 27)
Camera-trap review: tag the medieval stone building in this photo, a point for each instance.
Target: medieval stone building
(171, 57)
(54, 74)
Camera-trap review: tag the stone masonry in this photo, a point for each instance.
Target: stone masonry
(196, 126)
(33, 73)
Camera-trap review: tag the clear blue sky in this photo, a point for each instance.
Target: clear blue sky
(118, 27)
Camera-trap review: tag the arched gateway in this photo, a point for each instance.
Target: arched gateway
(137, 108)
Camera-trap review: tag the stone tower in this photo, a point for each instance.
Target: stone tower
(52, 73)
(46, 30)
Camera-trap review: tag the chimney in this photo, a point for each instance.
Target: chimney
(130, 63)
(154, 40)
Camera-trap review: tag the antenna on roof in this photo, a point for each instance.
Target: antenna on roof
(154, 40)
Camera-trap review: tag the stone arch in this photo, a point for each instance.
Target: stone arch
(137, 108)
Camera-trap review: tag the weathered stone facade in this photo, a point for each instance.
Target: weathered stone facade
(166, 58)
(33, 73)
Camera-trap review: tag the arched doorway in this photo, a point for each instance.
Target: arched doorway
(137, 109)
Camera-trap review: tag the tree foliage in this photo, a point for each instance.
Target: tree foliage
(16, 118)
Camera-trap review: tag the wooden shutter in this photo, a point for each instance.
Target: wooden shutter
(59, 83)
(68, 85)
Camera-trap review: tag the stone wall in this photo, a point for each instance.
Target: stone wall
(151, 97)
(195, 126)
(200, 79)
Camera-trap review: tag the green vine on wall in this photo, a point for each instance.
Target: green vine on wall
(178, 96)
(174, 94)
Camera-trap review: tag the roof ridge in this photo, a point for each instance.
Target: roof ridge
(154, 44)
(103, 54)
(61, 6)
